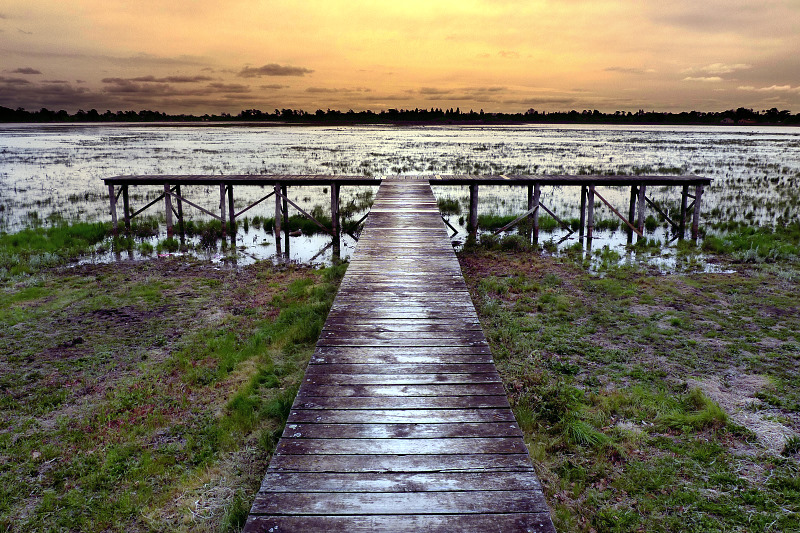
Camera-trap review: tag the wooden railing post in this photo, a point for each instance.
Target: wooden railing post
(590, 213)
(113, 208)
(168, 208)
(222, 216)
(698, 194)
(126, 207)
(473, 209)
(684, 201)
(232, 214)
(537, 194)
(583, 212)
(640, 208)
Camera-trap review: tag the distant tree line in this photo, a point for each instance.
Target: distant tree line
(417, 116)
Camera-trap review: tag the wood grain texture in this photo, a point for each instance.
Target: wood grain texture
(401, 422)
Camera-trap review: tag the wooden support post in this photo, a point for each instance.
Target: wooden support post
(231, 213)
(168, 207)
(126, 206)
(537, 194)
(590, 213)
(285, 219)
(640, 205)
(335, 210)
(684, 199)
(530, 206)
(179, 200)
(632, 211)
(113, 208)
(337, 245)
(473, 209)
(222, 216)
(278, 215)
(583, 211)
(698, 194)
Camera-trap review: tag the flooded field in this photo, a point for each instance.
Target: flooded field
(54, 172)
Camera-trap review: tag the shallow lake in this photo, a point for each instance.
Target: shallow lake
(48, 170)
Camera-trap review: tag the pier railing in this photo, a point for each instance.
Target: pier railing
(692, 188)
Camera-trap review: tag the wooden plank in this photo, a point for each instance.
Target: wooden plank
(399, 402)
(402, 503)
(378, 391)
(402, 431)
(329, 378)
(409, 351)
(453, 446)
(396, 482)
(376, 355)
(400, 416)
(486, 463)
(383, 367)
(429, 523)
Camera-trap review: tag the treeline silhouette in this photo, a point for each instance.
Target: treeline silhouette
(416, 116)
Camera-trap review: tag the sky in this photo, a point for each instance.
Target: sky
(211, 56)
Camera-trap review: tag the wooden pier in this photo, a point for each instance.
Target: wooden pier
(402, 422)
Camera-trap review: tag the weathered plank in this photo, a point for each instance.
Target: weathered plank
(437, 390)
(402, 431)
(399, 402)
(430, 523)
(395, 482)
(400, 503)
(484, 462)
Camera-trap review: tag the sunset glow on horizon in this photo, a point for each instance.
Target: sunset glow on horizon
(498, 55)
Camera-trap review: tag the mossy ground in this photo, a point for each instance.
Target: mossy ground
(148, 396)
(650, 402)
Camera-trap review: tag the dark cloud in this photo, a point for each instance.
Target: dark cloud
(273, 69)
(25, 70)
(274, 86)
(24, 32)
(321, 90)
(629, 70)
(736, 17)
(543, 100)
(124, 85)
(172, 79)
(55, 81)
(433, 91)
(229, 87)
(508, 54)
(13, 81)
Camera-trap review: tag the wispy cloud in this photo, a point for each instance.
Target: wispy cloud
(25, 70)
(704, 79)
(771, 89)
(273, 69)
(229, 87)
(630, 70)
(172, 79)
(508, 54)
(13, 81)
(715, 69)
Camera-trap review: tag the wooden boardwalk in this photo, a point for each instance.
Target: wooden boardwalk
(402, 422)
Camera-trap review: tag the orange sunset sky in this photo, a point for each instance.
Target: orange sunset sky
(209, 56)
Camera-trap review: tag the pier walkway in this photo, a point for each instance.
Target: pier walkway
(402, 422)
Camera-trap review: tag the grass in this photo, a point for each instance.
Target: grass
(650, 402)
(129, 406)
(39, 247)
